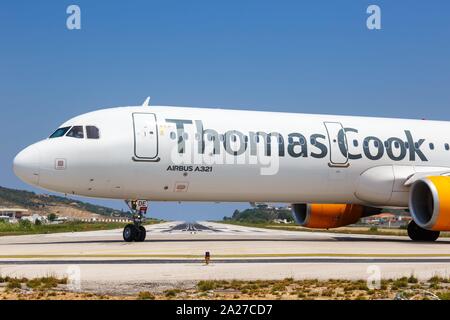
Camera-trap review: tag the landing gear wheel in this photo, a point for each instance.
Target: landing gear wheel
(135, 231)
(140, 237)
(417, 233)
(130, 232)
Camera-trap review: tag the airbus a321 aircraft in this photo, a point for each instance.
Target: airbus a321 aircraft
(333, 170)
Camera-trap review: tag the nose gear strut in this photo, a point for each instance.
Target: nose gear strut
(135, 231)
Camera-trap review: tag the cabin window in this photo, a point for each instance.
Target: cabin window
(59, 132)
(447, 146)
(92, 132)
(76, 132)
(173, 135)
(431, 146)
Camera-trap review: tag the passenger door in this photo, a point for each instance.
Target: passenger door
(145, 136)
(338, 144)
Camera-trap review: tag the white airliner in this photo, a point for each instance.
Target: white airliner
(333, 170)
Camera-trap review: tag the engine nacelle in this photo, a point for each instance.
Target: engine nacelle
(325, 216)
(429, 203)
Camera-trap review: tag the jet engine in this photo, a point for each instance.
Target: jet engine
(325, 216)
(429, 203)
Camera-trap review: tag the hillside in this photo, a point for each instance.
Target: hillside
(266, 215)
(260, 215)
(46, 204)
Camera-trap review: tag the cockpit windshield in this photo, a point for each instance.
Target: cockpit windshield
(76, 132)
(60, 132)
(92, 132)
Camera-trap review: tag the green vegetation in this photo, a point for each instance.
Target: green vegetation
(145, 295)
(171, 293)
(400, 283)
(311, 289)
(43, 283)
(259, 215)
(412, 279)
(14, 284)
(206, 285)
(32, 201)
(26, 227)
(401, 288)
(444, 295)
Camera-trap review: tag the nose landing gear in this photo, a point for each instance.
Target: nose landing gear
(135, 231)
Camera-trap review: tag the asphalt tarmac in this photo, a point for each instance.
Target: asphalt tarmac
(174, 252)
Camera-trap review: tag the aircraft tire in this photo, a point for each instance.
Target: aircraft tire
(141, 234)
(130, 232)
(417, 233)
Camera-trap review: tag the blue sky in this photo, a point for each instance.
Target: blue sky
(298, 56)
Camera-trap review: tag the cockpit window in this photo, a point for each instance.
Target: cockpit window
(76, 132)
(59, 132)
(92, 132)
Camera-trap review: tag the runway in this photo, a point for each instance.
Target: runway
(196, 261)
(174, 252)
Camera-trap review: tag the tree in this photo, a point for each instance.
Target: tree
(25, 224)
(260, 215)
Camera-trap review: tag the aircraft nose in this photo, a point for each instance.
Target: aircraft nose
(27, 166)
